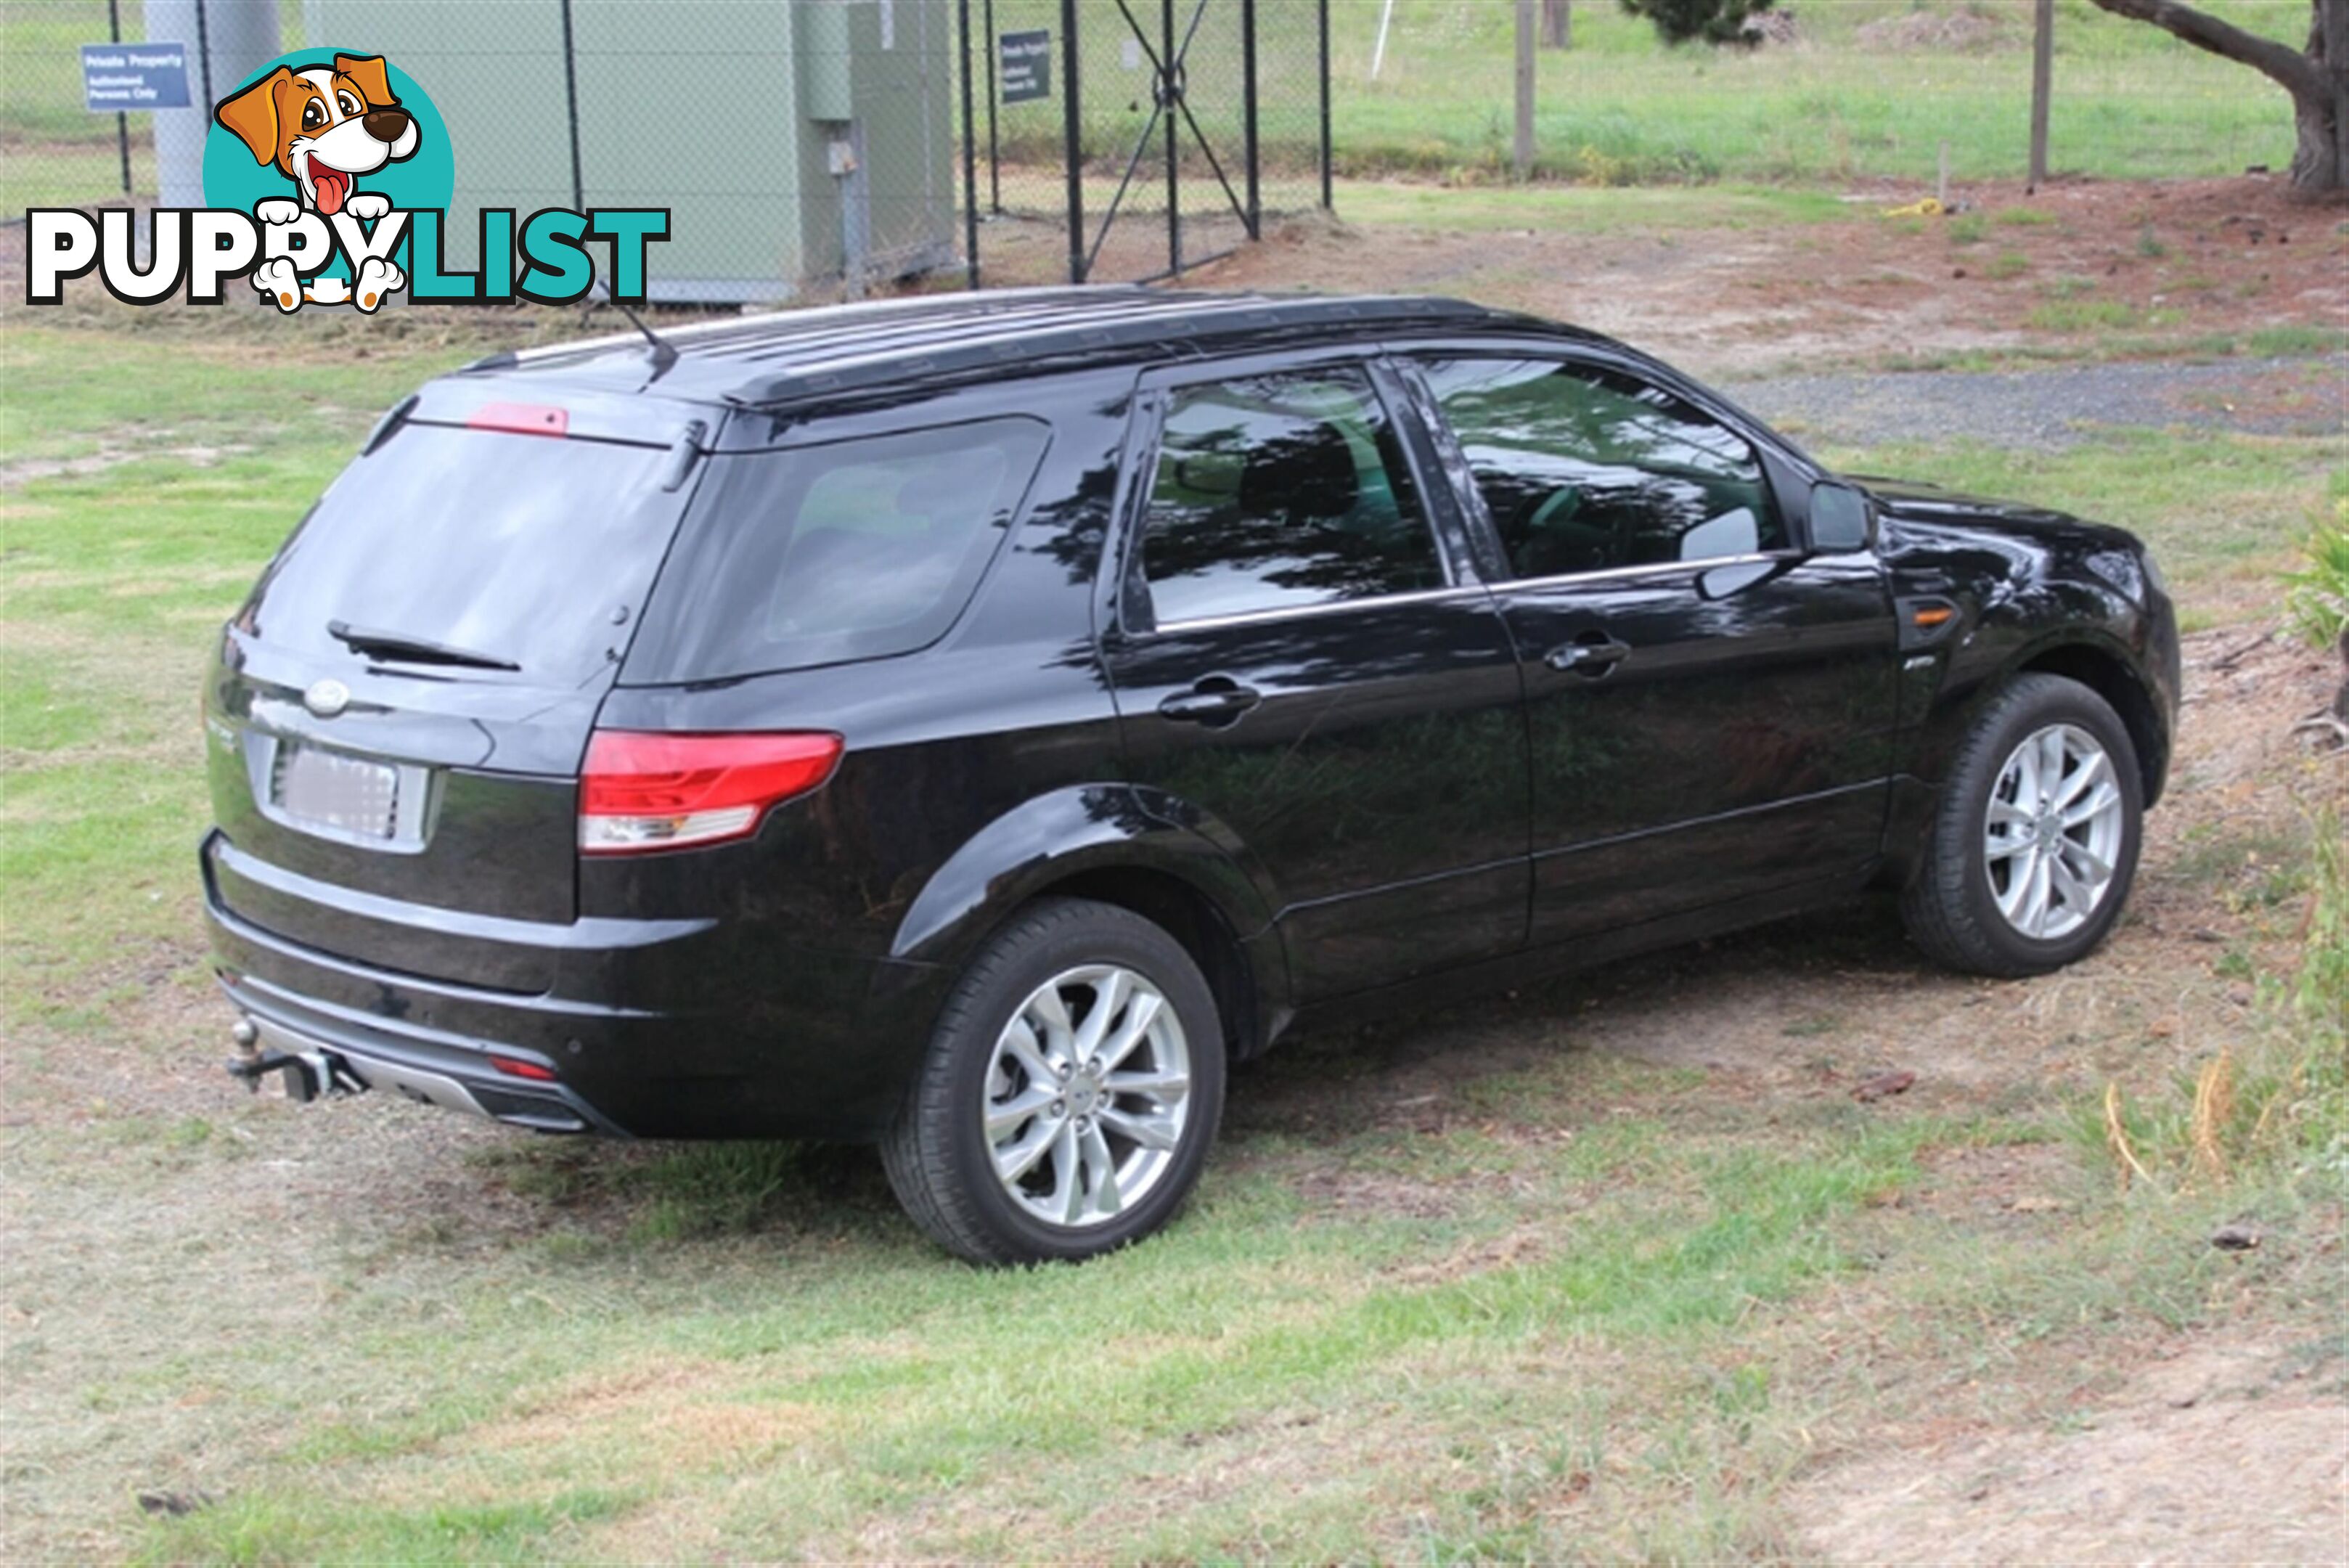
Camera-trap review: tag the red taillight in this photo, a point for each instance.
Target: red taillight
(661, 791)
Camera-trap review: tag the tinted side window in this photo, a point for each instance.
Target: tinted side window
(1584, 470)
(1273, 491)
(853, 549)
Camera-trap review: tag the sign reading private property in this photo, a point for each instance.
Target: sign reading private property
(1027, 67)
(119, 79)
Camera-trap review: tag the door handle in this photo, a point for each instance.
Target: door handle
(1591, 655)
(1215, 702)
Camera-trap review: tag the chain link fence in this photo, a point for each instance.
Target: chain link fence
(1118, 138)
(1830, 91)
(1129, 139)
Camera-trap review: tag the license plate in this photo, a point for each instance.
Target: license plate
(344, 794)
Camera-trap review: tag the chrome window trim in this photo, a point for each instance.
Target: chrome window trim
(1327, 607)
(1650, 568)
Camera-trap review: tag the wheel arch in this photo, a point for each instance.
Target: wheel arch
(2074, 654)
(1101, 841)
(2109, 675)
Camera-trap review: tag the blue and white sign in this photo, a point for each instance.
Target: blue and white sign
(118, 79)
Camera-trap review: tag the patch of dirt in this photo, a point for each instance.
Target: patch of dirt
(1961, 30)
(2230, 1452)
(15, 475)
(2176, 261)
(685, 1410)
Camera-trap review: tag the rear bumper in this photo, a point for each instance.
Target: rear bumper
(675, 1030)
(337, 1056)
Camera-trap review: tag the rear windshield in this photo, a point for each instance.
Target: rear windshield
(521, 549)
(850, 549)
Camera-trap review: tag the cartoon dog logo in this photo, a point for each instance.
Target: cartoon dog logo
(324, 127)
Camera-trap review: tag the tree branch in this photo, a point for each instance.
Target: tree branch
(2298, 75)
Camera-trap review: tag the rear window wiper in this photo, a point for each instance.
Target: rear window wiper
(410, 649)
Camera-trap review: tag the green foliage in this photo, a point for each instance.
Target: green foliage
(2278, 1108)
(1687, 21)
(2316, 597)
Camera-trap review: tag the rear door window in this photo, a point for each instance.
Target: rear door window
(845, 550)
(1281, 492)
(1585, 469)
(521, 549)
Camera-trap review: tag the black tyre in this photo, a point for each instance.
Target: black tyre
(2033, 843)
(1072, 1088)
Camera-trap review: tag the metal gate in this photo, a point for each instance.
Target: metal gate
(1130, 139)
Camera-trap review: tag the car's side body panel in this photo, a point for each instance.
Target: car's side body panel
(1744, 743)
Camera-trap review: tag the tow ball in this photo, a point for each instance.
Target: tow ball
(306, 1075)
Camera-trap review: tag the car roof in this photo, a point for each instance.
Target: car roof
(772, 359)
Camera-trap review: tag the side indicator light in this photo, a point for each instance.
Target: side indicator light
(1934, 615)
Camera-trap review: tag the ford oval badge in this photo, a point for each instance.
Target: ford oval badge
(327, 698)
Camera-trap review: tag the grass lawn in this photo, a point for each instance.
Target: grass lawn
(1500, 1284)
(1620, 108)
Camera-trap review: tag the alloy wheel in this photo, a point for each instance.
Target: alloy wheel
(2052, 835)
(1087, 1095)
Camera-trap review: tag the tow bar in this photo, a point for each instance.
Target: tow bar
(307, 1074)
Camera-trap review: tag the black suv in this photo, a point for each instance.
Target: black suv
(970, 722)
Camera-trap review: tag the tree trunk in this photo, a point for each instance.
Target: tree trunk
(1558, 23)
(2317, 78)
(2321, 160)
(2317, 161)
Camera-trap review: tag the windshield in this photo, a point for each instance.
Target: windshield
(513, 550)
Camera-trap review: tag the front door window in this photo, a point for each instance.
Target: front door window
(1584, 470)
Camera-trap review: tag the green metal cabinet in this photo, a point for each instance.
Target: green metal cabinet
(796, 143)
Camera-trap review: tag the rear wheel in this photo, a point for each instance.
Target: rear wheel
(2033, 844)
(1071, 1090)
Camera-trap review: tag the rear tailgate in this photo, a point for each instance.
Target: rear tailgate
(396, 719)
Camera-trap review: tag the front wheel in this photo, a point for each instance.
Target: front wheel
(1072, 1088)
(2033, 844)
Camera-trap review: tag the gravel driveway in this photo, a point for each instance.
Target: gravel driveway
(2059, 407)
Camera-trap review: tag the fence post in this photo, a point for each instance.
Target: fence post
(1170, 93)
(1248, 116)
(1323, 9)
(1073, 132)
(969, 157)
(122, 120)
(571, 107)
(204, 56)
(1524, 151)
(994, 145)
(2042, 74)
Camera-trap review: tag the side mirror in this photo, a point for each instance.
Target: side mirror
(1841, 519)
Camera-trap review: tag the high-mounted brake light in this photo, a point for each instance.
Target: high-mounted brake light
(643, 791)
(521, 418)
